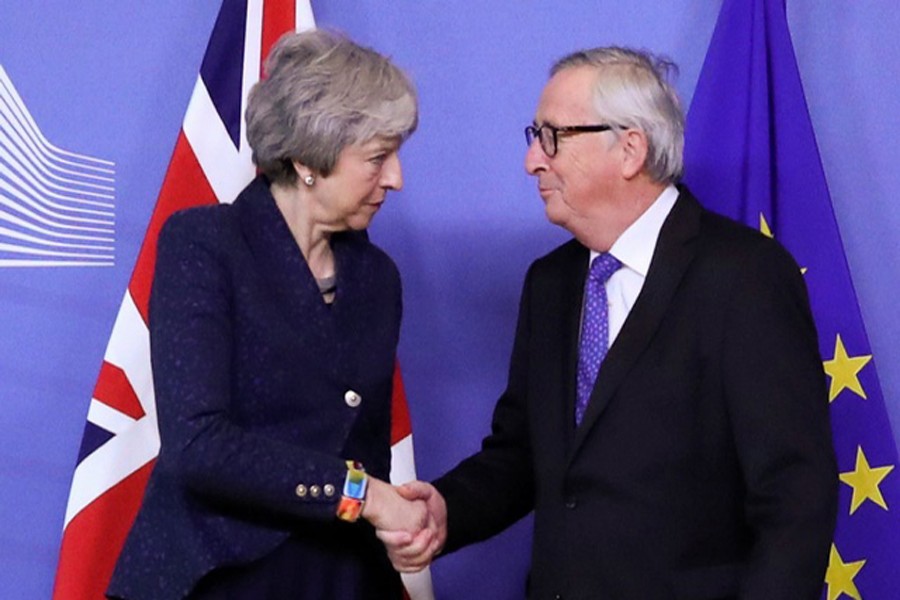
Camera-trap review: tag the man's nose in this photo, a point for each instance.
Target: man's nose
(535, 158)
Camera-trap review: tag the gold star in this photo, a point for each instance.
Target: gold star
(767, 231)
(864, 481)
(843, 370)
(839, 576)
(764, 226)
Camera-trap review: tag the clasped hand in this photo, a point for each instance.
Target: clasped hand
(411, 521)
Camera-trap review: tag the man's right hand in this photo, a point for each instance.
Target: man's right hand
(412, 555)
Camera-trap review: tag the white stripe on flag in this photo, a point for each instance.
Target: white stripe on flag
(403, 469)
(305, 19)
(111, 463)
(129, 349)
(252, 63)
(110, 419)
(403, 464)
(133, 447)
(227, 169)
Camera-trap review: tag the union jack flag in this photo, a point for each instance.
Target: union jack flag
(211, 163)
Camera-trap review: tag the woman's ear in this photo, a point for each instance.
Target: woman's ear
(304, 173)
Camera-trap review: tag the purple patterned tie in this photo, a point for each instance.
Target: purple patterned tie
(594, 329)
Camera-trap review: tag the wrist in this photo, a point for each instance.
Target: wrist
(378, 507)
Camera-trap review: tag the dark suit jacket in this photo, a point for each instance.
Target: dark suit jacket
(250, 370)
(703, 468)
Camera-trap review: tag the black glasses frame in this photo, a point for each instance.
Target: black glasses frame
(550, 140)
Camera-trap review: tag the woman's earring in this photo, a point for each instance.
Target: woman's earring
(309, 180)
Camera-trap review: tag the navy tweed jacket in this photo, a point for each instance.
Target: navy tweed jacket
(255, 380)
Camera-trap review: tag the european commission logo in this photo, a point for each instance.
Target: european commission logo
(56, 206)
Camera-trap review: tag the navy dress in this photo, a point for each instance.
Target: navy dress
(262, 390)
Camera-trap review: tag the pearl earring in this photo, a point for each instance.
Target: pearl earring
(309, 180)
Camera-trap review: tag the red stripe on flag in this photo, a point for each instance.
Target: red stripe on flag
(185, 185)
(278, 18)
(114, 390)
(93, 539)
(400, 423)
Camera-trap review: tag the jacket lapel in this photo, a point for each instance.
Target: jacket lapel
(572, 314)
(355, 308)
(284, 270)
(569, 290)
(674, 253)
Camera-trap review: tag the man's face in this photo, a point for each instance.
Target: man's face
(577, 184)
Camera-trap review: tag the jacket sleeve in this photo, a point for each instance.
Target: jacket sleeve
(777, 402)
(191, 338)
(494, 488)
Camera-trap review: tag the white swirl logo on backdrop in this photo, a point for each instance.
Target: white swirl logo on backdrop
(56, 206)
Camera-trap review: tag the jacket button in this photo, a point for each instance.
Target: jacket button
(329, 490)
(300, 490)
(314, 491)
(571, 502)
(352, 399)
(558, 597)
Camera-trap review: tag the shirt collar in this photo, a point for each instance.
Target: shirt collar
(636, 245)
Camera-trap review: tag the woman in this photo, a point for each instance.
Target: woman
(273, 326)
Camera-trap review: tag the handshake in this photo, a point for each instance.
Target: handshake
(410, 520)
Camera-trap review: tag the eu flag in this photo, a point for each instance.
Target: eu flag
(751, 154)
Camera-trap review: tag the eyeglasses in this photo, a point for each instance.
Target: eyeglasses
(549, 135)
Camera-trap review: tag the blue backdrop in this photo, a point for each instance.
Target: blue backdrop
(112, 80)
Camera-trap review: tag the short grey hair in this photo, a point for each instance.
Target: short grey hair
(633, 91)
(323, 92)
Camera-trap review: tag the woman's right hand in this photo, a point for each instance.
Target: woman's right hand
(410, 555)
(386, 509)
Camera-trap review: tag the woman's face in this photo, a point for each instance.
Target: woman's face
(354, 191)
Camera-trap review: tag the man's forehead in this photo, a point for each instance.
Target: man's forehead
(568, 94)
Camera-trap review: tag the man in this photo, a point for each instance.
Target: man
(697, 463)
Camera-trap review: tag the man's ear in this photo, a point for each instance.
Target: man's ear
(634, 148)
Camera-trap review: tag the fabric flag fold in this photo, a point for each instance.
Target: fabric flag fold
(751, 154)
(210, 163)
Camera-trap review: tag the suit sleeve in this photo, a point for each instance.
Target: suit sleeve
(776, 397)
(494, 488)
(191, 349)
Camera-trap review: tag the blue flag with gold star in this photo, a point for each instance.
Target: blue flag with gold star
(751, 154)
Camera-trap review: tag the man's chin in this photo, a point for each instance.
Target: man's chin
(554, 215)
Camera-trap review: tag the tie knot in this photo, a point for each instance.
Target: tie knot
(604, 266)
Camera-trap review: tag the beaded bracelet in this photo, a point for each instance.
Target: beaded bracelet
(354, 495)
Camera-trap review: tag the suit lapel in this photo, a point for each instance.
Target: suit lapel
(573, 285)
(672, 256)
(355, 308)
(284, 270)
(557, 298)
